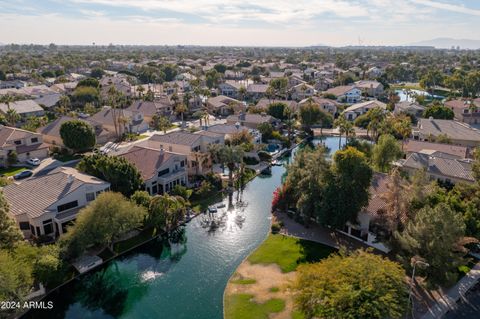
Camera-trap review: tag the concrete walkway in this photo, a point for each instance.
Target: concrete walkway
(448, 300)
(318, 234)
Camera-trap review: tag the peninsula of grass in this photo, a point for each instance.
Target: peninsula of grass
(288, 252)
(242, 306)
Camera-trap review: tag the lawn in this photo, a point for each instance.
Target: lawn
(11, 171)
(241, 306)
(289, 252)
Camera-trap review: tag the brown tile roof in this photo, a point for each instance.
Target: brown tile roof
(147, 160)
(416, 146)
(180, 138)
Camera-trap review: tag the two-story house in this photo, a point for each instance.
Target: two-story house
(302, 91)
(346, 93)
(127, 121)
(230, 88)
(370, 88)
(252, 120)
(161, 170)
(24, 144)
(467, 111)
(46, 205)
(326, 105)
(193, 145)
(224, 105)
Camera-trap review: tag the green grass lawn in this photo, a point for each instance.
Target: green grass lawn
(289, 252)
(241, 306)
(10, 171)
(244, 281)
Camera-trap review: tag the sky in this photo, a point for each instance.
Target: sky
(237, 22)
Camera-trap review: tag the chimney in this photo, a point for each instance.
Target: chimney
(70, 178)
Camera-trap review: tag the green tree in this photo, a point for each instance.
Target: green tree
(10, 234)
(439, 112)
(212, 77)
(360, 285)
(141, 198)
(89, 82)
(385, 151)
(348, 191)
(166, 212)
(77, 135)
(220, 68)
(16, 277)
(437, 236)
(309, 114)
(231, 156)
(106, 219)
(160, 122)
(97, 73)
(277, 110)
(121, 174)
(266, 129)
(344, 127)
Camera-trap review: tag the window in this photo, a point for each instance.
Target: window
(163, 172)
(182, 164)
(48, 229)
(32, 229)
(34, 140)
(18, 142)
(90, 196)
(61, 208)
(24, 225)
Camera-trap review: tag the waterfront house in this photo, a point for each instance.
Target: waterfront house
(193, 145)
(252, 120)
(229, 130)
(24, 144)
(46, 205)
(161, 170)
(326, 105)
(370, 88)
(415, 146)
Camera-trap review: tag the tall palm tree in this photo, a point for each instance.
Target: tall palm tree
(342, 124)
(231, 156)
(180, 109)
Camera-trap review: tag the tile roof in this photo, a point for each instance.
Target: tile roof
(371, 104)
(147, 160)
(35, 195)
(180, 138)
(340, 90)
(25, 106)
(439, 165)
(9, 134)
(410, 146)
(453, 129)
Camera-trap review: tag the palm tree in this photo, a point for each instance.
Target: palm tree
(63, 105)
(213, 151)
(181, 109)
(11, 116)
(166, 212)
(242, 92)
(341, 123)
(231, 156)
(396, 198)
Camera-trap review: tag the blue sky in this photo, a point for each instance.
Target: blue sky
(237, 22)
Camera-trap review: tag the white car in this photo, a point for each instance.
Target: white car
(33, 161)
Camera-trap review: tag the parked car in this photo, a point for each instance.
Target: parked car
(23, 174)
(33, 161)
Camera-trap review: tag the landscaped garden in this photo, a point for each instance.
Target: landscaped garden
(260, 288)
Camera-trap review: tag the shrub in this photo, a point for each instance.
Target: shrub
(264, 156)
(250, 160)
(276, 228)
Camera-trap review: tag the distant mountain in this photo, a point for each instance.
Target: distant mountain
(447, 43)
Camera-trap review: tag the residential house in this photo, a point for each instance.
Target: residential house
(24, 144)
(193, 145)
(370, 88)
(323, 84)
(365, 229)
(229, 130)
(256, 91)
(459, 133)
(413, 146)
(438, 166)
(234, 75)
(466, 111)
(51, 131)
(230, 88)
(161, 170)
(346, 93)
(301, 91)
(326, 105)
(25, 109)
(46, 205)
(119, 82)
(48, 101)
(409, 107)
(224, 105)
(252, 120)
(150, 108)
(265, 102)
(294, 80)
(355, 110)
(130, 121)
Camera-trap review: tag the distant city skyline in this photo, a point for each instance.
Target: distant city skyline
(243, 23)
